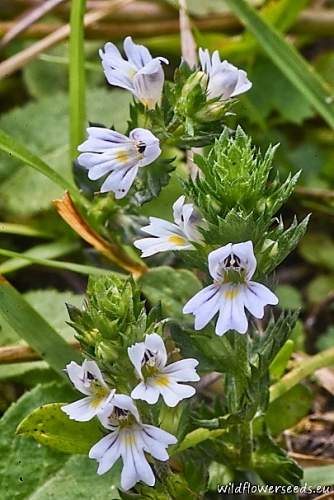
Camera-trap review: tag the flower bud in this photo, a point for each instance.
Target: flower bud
(212, 111)
(198, 78)
(107, 351)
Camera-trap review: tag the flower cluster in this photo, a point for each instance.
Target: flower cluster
(129, 438)
(231, 296)
(117, 158)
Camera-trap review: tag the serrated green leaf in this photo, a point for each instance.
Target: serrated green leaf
(50, 426)
(151, 180)
(172, 287)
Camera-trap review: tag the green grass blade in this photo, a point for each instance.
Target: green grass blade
(23, 230)
(288, 60)
(34, 329)
(19, 151)
(56, 264)
(45, 251)
(77, 77)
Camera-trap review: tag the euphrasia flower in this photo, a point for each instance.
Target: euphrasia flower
(88, 380)
(140, 73)
(109, 152)
(231, 268)
(129, 439)
(168, 235)
(150, 361)
(224, 79)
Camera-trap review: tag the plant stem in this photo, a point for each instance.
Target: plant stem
(235, 386)
(77, 88)
(246, 443)
(308, 366)
(22, 353)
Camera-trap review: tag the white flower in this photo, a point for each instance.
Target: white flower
(224, 79)
(168, 235)
(149, 359)
(231, 268)
(109, 152)
(129, 439)
(88, 380)
(140, 74)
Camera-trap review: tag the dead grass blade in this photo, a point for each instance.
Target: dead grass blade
(17, 61)
(26, 19)
(70, 214)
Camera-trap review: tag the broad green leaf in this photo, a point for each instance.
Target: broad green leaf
(283, 97)
(172, 287)
(319, 476)
(29, 470)
(34, 329)
(43, 126)
(318, 249)
(77, 82)
(43, 78)
(48, 73)
(11, 146)
(288, 60)
(213, 353)
(78, 480)
(326, 340)
(289, 409)
(24, 464)
(320, 286)
(289, 297)
(44, 251)
(50, 426)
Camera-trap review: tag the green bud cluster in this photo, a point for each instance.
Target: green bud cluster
(113, 318)
(239, 193)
